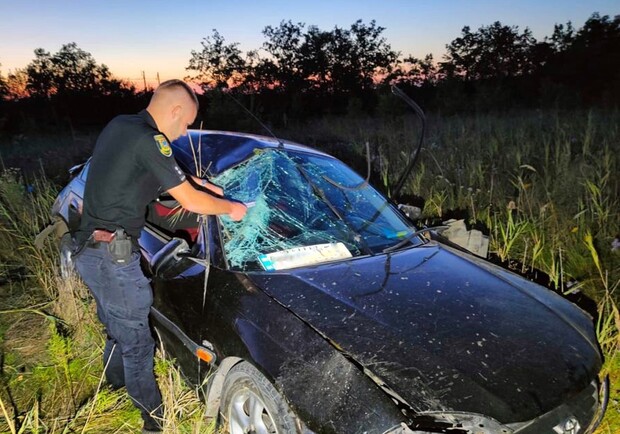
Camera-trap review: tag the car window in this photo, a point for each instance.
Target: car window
(304, 209)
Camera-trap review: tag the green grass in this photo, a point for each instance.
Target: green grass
(539, 181)
(545, 185)
(51, 342)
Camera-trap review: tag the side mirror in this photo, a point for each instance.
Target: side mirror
(168, 261)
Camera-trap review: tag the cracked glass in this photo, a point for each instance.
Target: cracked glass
(304, 204)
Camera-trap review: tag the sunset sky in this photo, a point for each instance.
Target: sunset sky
(157, 36)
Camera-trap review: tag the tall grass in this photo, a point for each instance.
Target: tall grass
(24, 208)
(51, 348)
(538, 180)
(545, 185)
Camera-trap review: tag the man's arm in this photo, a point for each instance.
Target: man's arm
(206, 184)
(202, 203)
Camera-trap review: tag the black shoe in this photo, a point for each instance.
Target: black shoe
(114, 386)
(151, 427)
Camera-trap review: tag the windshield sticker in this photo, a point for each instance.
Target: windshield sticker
(302, 256)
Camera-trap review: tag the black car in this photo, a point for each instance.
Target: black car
(326, 310)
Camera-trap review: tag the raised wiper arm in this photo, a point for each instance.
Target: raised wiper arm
(412, 235)
(318, 191)
(414, 154)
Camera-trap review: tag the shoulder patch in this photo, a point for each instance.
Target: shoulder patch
(163, 145)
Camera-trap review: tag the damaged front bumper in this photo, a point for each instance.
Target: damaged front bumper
(453, 423)
(569, 418)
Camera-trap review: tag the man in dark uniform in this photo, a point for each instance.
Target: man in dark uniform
(132, 164)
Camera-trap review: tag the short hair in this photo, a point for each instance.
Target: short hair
(176, 83)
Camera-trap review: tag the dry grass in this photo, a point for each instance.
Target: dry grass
(557, 171)
(52, 342)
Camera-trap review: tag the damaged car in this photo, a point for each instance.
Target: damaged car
(325, 310)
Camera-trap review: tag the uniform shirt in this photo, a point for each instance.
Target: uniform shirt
(131, 165)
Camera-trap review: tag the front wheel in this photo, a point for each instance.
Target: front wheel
(251, 405)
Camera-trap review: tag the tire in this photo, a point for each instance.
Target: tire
(67, 247)
(251, 405)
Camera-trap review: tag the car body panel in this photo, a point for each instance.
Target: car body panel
(464, 339)
(321, 385)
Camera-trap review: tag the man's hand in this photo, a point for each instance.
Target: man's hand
(207, 185)
(238, 211)
(200, 202)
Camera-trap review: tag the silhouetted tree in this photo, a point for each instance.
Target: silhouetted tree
(419, 78)
(75, 70)
(562, 37)
(283, 66)
(493, 51)
(309, 68)
(15, 84)
(359, 55)
(584, 66)
(316, 60)
(304, 70)
(326, 68)
(416, 72)
(69, 71)
(488, 69)
(217, 65)
(595, 57)
(67, 88)
(3, 86)
(41, 74)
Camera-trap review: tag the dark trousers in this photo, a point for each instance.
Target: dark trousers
(124, 297)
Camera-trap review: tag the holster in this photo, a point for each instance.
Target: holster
(120, 247)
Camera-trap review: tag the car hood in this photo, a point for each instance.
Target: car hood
(447, 331)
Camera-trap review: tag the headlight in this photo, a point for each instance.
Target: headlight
(602, 400)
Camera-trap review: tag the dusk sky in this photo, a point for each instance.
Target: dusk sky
(158, 36)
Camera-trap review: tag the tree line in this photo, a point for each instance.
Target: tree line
(301, 71)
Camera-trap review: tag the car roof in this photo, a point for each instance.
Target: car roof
(225, 149)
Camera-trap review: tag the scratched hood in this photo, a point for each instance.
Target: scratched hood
(448, 331)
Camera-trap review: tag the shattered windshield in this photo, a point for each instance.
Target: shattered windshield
(304, 209)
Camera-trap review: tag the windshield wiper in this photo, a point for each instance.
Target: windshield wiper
(318, 191)
(412, 235)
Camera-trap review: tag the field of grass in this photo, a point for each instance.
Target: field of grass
(544, 184)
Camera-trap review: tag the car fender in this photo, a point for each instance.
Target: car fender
(325, 389)
(215, 385)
